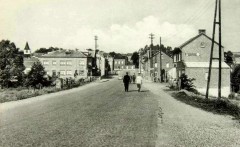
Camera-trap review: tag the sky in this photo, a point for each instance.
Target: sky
(121, 25)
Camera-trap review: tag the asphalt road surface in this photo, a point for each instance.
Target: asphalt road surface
(102, 114)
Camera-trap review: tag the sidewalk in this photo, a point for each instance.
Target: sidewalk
(184, 125)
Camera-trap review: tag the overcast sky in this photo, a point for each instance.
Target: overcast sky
(121, 25)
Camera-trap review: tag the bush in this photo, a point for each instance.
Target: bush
(187, 83)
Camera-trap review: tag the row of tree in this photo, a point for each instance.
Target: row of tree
(12, 68)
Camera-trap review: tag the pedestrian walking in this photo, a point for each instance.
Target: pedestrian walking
(126, 81)
(134, 78)
(139, 82)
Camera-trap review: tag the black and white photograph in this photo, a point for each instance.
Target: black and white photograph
(119, 73)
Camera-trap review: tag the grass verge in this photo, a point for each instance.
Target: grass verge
(222, 106)
(14, 94)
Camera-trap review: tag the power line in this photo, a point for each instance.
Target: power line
(195, 17)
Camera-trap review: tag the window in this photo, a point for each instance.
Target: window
(81, 72)
(179, 57)
(122, 67)
(45, 62)
(132, 67)
(122, 62)
(175, 58)
(62, 72)
(69, 63)
(69, 72)
(81, 62)
(167, 65)
(126, 67)
(54, 62)
(206, 76)
(54, 73)
(62, 63)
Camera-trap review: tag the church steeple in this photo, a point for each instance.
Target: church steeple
(27, 50)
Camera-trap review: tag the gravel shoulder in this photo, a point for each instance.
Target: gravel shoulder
(184, 125)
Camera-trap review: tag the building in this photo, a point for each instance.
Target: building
(192, 58)
(101, 63)
(236, 58)
(28, 59)
(151, 65)
(162, 65)
(119, 63)
(27, 51)
(67, 63)
(28, 63)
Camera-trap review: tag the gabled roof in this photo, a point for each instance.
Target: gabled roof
(65, 54)
(194, 38)
(27, 47)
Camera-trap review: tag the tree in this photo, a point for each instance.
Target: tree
(36, 75)
(228, 57)
(45, 50)
(187, 83)
(11, 64)
(235, 78)
(112, 54)
(135, 59)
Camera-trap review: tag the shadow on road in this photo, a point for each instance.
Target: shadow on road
(144, 91)
(137, 91)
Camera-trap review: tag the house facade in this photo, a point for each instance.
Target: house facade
(151, 65)
(66, 64)
(119, 64)
(192, 58)
(162, 65)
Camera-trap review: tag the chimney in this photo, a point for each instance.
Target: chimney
(201, 31)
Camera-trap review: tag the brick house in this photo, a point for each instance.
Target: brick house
(67, 64)
(150, 62)
(192, 58)
(167, 64)
(119, 63)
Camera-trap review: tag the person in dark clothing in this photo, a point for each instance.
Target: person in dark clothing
(126, 81)
(134, 78)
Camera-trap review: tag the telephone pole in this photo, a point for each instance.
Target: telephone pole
(217, 8)
(151, 37)
(96, 39)
(160, 50)
(95, 56)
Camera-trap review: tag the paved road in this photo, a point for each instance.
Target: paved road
(102, 114)
(98, 114)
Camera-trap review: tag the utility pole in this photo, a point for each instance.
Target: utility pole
(96, 39)
(95, 55)
(150, 53)
(151, 37)
(217, 7)
(160, 54)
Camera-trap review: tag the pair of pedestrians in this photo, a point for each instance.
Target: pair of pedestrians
(126, 81)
